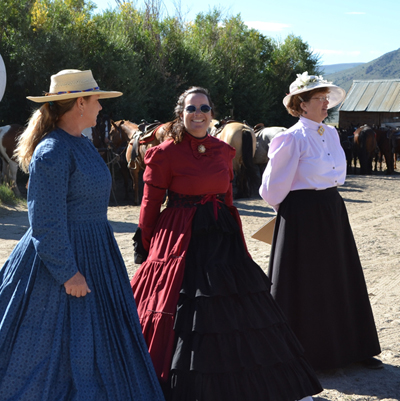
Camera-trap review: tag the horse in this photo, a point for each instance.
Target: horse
(241, 136)
(99, 136)
(213, 123)
(384, 143)
(120, 134)
(101, 131)
(395, 146)
(147, 136)
(364, 147)
(8, 142)
(346, 137)
(89, 133)
(264, 136)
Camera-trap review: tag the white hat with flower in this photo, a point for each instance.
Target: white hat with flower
(305, 83)
(3, 77)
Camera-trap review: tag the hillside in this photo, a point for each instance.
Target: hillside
(332, 68)
(384, 67)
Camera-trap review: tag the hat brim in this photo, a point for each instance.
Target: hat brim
(65, 96)
(3, 78)
(336, 94)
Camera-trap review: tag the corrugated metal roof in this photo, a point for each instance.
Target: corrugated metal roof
(378, 95)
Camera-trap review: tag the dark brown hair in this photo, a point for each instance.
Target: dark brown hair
(177, 126)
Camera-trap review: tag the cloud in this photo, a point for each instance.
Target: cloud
(327, 51)
(356, 13)
(354, 53)
(267, 26)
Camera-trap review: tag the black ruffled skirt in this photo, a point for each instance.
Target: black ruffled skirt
(232, 340)
(318, 281)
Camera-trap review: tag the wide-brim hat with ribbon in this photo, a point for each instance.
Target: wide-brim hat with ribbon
(305, 83)
(70, 84)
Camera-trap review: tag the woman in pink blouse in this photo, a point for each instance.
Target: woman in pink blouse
(316, 274)
(213, 330)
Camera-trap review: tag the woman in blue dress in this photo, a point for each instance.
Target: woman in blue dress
(68, 322)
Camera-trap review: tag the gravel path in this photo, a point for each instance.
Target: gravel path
(373, 203)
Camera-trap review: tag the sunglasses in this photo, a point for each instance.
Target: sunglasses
(204, 108)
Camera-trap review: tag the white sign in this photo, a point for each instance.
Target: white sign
(3, 77)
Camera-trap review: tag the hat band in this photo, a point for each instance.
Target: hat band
(65, 92)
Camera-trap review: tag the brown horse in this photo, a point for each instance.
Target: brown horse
(8, 142)
(346, 136)
(241, 136)
(101, 132)
(364, 147)
(384, 141)
(395, 146)
(99, 135)
(147, 136)
(120, 134)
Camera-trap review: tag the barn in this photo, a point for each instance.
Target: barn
(375, 102)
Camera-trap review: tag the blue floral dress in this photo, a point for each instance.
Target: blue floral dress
(54, 346)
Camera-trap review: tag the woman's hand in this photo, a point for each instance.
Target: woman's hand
(77, 286)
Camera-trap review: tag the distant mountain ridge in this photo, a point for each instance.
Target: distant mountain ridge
(332, 68)
(384, 67)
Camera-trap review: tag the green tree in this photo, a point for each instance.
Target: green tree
(151, 59)
(50, 36)
(235, 56)
(290, 57)
(14, 33)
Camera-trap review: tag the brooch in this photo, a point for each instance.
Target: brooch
(201, 148)
(321, 130)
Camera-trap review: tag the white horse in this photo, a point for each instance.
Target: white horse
(89, 133)
(264, 136)
(8, 143)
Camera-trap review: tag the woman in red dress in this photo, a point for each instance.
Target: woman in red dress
(212, 328)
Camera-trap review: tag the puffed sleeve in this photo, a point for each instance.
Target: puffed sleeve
(284, 155)
(47, 208)
(157, 178)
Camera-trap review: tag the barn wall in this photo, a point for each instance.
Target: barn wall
(390, 118)
(357, 118)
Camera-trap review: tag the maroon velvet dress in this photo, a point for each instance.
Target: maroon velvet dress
(212, 328)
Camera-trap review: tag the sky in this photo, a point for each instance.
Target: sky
(339, 31)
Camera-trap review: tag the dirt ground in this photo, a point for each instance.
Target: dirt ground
(373, 204)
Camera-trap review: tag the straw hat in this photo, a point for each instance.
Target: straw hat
(69, 84)
(3, 77)
(305, 83)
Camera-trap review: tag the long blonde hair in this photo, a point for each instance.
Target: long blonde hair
(42, 121)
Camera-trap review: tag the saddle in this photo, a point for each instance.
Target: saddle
(258, 127)
(134, 142)
(220, 125)
(148, 130)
